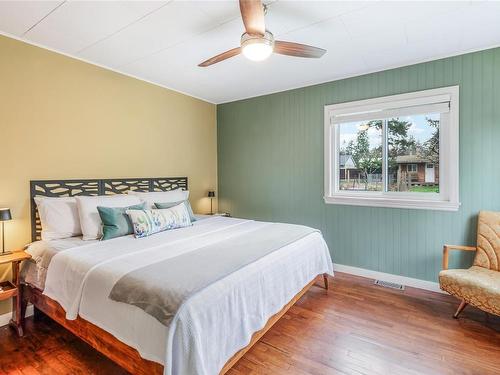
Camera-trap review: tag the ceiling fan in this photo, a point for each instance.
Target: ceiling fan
(257, 43)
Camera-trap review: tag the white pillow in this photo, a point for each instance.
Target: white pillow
(59, 217)
(150, 198)
(90, 220)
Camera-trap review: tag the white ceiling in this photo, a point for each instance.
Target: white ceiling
(163, 41)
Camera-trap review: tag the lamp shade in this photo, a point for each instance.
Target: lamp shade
(5, 214)
(211, 194)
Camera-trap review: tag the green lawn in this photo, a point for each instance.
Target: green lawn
(425, 189)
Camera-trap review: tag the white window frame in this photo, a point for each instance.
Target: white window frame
(430, 100)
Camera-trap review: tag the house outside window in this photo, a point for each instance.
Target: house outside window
(395, 151)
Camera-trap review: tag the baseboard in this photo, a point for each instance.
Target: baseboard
(5, 318)
(407, 281)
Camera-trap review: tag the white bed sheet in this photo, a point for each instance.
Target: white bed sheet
(215, 323)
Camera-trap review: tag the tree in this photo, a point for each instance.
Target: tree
(347, 148)
(366, 160)
(431, 146)
(350, 148)
(397, 136)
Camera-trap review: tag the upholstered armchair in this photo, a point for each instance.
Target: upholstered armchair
(480, 284)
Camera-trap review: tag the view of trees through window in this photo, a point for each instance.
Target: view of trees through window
(412, 154)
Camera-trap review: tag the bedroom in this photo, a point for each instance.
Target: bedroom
(340, 165)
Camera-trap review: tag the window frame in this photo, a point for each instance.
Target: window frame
(448, 197)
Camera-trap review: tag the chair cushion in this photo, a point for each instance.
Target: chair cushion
(477, 285)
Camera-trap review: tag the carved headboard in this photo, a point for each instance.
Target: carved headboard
(70, 188)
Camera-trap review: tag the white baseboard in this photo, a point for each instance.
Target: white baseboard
(407, 281)
(5, 318)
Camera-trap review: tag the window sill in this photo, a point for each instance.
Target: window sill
(419, 204)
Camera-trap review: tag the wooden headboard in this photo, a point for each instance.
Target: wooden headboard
(70, 188)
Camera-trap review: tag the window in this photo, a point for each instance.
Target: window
(395, 151)
(411, 168)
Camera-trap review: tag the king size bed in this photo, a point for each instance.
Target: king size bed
(191, 300)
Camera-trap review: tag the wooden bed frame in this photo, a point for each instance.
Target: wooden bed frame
(104, 342)
(122, 354)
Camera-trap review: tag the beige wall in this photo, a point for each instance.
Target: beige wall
(62, 118)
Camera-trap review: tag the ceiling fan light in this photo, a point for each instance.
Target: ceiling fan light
(257, 51)
(257, 48)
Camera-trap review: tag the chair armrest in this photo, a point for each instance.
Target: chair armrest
(447, 248)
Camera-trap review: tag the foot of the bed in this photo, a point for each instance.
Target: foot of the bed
(325, 280)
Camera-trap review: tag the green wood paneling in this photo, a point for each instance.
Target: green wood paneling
(270, 165)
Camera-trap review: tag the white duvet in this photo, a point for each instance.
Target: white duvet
(213, 324)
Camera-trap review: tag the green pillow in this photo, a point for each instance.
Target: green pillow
(115, 221)
(172, 204)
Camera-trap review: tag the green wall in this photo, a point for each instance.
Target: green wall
(270, 165)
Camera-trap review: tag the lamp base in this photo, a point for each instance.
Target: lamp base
(5, 253)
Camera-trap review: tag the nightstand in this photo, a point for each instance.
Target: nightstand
(13, 289)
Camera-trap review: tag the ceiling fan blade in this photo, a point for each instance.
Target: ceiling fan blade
(252, 13)
(221, 57)
(297, 49)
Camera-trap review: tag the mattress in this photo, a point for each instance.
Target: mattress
(34, 270)
(217, 322)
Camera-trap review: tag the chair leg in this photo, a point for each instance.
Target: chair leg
(325, 280)
(460, 308)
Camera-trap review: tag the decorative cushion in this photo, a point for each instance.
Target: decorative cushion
(169, 205)
(89, 216)
(477, 285)
(59, 217)
(148, 222)
(150, 198)
(115, 221)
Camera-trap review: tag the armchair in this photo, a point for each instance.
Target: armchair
(478, 285)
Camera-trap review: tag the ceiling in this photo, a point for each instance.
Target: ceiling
(163, 41)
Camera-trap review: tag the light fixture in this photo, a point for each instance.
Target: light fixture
(211, 195)
(5, 215)
(257, 48)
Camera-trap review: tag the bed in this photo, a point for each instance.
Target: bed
(71, 280)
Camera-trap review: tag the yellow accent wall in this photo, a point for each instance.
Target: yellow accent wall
(61, 118)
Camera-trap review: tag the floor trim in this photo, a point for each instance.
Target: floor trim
(5, 318)
(407, 281)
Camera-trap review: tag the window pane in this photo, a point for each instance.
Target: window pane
(360, 156)
(413, 153)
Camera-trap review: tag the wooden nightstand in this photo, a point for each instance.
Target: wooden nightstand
(13, 290)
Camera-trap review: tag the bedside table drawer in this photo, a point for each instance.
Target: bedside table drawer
(7, 290)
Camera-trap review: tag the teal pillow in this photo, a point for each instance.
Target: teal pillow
(115, 221)
(172, 204)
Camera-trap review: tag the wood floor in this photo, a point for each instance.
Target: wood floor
(355, 328)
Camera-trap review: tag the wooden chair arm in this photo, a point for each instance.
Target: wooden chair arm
(447, 248)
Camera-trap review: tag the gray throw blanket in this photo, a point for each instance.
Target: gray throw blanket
(161, 288)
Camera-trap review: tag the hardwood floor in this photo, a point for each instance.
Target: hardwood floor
(354, 328)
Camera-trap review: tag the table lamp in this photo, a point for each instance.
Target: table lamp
(4, 216)
(211, 195)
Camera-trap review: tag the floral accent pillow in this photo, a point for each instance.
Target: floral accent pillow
(148, 222)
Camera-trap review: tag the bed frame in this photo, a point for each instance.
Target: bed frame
(120, 353)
